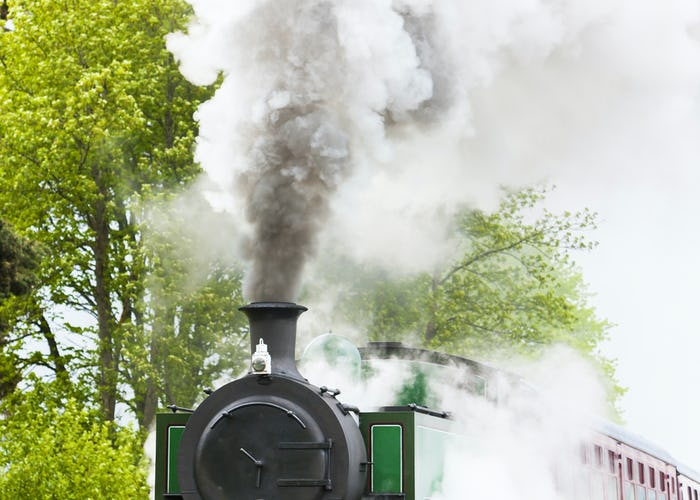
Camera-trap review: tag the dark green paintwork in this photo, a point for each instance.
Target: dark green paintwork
(174, 436)
(406, 419)
(422, 451)
(169, 428)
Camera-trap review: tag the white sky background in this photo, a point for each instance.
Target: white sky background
(645, 276)
(645, 273)
(600, 97)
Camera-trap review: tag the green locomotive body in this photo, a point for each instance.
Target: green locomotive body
(405, 448)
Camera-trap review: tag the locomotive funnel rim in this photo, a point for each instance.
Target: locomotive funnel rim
(272, 304)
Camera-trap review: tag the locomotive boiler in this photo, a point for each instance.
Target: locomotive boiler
(271, 434)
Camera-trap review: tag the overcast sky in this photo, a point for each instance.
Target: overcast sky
(645, 275)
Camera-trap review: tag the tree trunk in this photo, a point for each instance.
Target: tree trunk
(105, 323)
(431, 329)
(59, 364)
(148, 402)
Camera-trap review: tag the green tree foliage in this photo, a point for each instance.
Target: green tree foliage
(97, 125)
(515, 284)
(55, 448)
(193, 332)
(513, 288)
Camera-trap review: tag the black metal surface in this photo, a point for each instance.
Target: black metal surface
(276, 324)
(396, 350)
(176, 408)
(297, 444)
(272, 436)
(418, 409)
(389, 350)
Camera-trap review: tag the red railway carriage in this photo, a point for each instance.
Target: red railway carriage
(628, 467)
(688, 484)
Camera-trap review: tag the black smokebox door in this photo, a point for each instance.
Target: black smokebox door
(285, 458)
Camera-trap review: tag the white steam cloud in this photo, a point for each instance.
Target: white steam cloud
(376, 119)
(307, 83)
(522, 440)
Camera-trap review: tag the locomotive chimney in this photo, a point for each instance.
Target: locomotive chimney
(274, 324)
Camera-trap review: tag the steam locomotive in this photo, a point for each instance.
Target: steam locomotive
(271, 435)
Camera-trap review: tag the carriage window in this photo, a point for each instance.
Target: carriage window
(629, 491)
(479, 385)
(598, 452)
(597, 486)
(611, 487)
(606, 458)
(641, 493)
(651, 495)
(611, 461)
(630, 469)
(582, 486)
(690, 496)
(662, 481)
(641, 473)
(695, 494)
(652, 477)
(662, 496)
